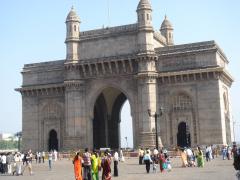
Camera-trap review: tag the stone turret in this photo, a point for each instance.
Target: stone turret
(145, 28)
(72, 36)
(167, 31)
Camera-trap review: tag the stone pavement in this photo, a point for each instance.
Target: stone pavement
(130, 170)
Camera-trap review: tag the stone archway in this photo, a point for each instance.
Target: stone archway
(53, 140)
(106, 120)
(183, 135)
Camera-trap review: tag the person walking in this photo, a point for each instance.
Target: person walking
(43, 156)
(147, 160)
(78, 166)
(200, 159)
(106, 166)
(28, 161)
(50, 158)
(87, 165)
(96, 165)
(115, 161)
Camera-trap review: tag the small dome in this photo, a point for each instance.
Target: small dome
(166, 24)
(144, 4)
(72, 16)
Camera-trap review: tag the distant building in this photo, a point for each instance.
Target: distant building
(7, 137)
(75, 102)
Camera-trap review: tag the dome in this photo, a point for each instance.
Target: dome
(72, 16)
(166, 24)
(144, 4)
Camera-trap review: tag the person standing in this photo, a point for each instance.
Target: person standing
(39, 156)
(18, 162)
(87, 165)
(115, 161)
(184, 158)
(141, 154)
(224, 152)
(147, 160)
(4, 163)
(200, 159)
(236, 163)
(106, 166)
(55, 155)
(28, 162)
(78, 166)
(122, 159)
(43, 156)
(50, 157)
(162, 161)
(96, 164)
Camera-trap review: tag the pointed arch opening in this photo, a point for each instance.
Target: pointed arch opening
(183, 135)
(107, 119)
(53, 140)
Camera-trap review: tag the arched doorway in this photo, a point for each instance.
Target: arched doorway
(107, 118)
(183, 135)
(53, 140)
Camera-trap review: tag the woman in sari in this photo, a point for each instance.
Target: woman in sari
(200, 159)
(184, 158)
(162, 161)
(106, 166)
(78, 166)
(96, 162)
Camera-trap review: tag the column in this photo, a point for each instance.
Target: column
(75, 115)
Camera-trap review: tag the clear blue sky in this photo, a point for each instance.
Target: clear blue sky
(34, 31)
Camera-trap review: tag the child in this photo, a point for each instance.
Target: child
(154, 165)
(168, 164)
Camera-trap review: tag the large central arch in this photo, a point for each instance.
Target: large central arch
(106, 120)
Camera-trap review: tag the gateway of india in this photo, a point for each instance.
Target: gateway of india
(76, 102)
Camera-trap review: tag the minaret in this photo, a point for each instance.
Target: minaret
(145, 28)
(167, 31)
(72, 36)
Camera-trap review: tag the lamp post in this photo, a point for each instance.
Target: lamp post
(19, 136)
(155, 115)
(126, 142)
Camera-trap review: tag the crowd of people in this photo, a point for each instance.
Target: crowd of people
(88, 165)
(190, 157)
(155, 158)
(15, 163)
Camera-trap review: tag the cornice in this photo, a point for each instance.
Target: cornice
(42, 90)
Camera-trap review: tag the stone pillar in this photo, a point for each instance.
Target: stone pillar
(147, 99)
(75, 113)
(30, 131)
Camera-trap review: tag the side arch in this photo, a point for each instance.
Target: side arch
(182, 109)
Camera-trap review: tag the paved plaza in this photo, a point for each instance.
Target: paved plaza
(130, 170)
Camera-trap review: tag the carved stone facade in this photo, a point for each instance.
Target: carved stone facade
(75, 103)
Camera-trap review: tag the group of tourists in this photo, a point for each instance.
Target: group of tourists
(155, 158)
(189, 157)
(15, 163)
(88, 165)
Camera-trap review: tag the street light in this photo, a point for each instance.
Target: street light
(126, 142)
(19, 136)
(155, 115)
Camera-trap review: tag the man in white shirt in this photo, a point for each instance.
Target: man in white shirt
(4, 163)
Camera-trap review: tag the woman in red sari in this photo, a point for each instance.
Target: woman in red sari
(161, 161)
(106, 166)
(78, 166)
